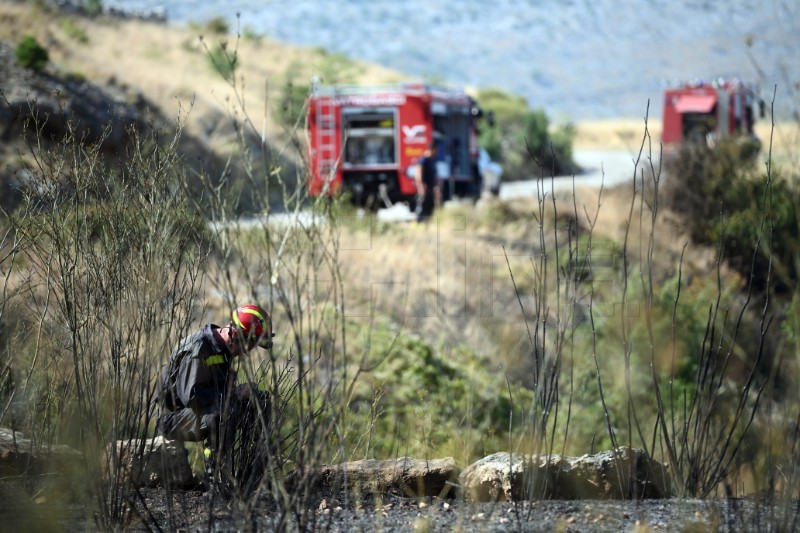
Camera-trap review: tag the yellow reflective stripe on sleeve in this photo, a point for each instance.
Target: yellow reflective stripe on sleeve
(215, 360)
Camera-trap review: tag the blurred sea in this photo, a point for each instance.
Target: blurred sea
(578, 59)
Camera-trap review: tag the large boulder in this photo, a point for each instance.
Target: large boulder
(150, 463)
(407, 476)
(145, 463)
(31, 466)
(21, 456)
(623, 473)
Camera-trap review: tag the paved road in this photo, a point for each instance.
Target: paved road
(600, 167)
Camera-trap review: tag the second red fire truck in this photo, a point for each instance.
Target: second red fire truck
(706, 111)
(366, 140)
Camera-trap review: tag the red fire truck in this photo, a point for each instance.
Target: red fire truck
(704, 112)
(366, 140)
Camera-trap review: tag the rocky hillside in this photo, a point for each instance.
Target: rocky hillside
(51, 106)
(125, 71)
(133, 70)
(578, 60)
(42, 101)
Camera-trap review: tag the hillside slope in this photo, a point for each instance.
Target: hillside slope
(168, 67)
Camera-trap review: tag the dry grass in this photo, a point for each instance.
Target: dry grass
(612, 134)
(448, 281)
(626, 134)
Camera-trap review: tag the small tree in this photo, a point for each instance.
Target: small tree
(218, 26)
(93, 8)
(522, 138)
(30, 54)
(223, 61)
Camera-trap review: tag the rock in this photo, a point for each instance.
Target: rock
(20, 455)
(622, 474)
(150, 463)
(411, 477)
(493, 478)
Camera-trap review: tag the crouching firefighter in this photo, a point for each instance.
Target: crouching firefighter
(198, 397)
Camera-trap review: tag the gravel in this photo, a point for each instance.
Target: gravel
(190, 512)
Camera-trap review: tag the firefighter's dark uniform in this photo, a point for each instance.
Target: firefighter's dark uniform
(193, 387)
(430, 180)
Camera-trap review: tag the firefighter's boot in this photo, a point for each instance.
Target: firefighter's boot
(209, 466)
(215, 481)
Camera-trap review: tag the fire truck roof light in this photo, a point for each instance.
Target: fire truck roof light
(410, 87)
(717, 83)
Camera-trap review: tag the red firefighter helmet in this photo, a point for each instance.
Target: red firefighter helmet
(254, 324)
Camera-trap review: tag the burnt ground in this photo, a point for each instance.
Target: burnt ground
(189, 511)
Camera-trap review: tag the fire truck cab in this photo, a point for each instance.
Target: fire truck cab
(704, 112)
(366, 140)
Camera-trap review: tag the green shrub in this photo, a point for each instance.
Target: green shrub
(77, 77)
(535, 124)
(549, 150)
(699, 181)
(30, 54)
(250, 34)
(92, 8)
(223, 61)
(562, 139)
(522, 138)
(435, 404)
(218, 26)
(492, 142)
(292, 103)
(726, 201)
(74, 30)
(748, 202)
(337, 68)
